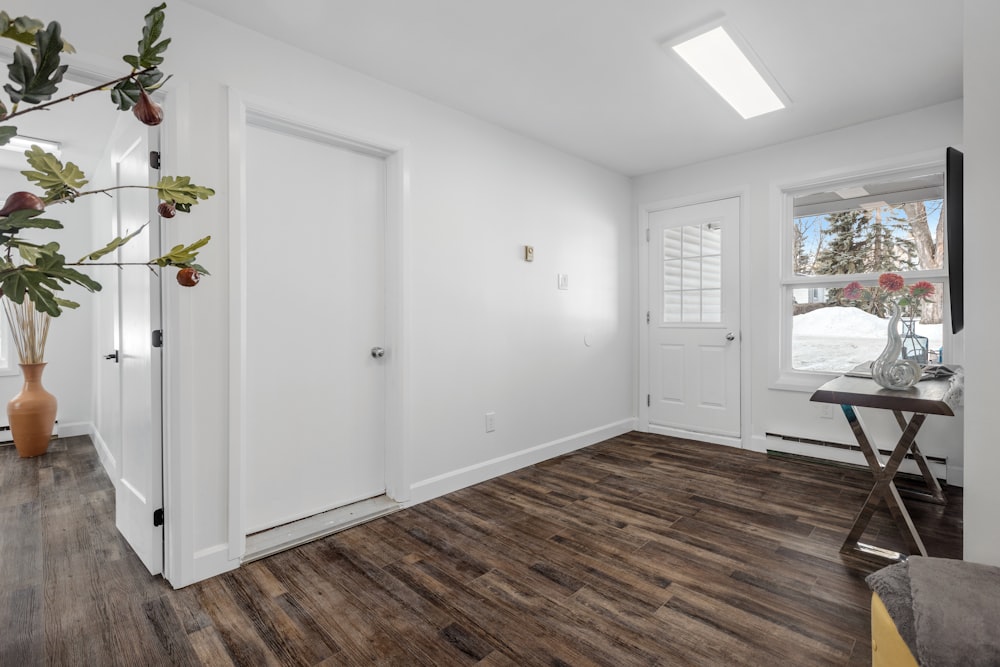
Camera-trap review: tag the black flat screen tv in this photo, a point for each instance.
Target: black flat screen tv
(953, 211)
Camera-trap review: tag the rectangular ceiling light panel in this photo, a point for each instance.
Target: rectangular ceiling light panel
(715, 56)
(19, 144)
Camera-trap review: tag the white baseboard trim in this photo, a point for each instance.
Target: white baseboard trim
(70, 429)
(104, 453)
(459, 479)
(728, 441)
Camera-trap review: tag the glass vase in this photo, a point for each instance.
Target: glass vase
(889, 370)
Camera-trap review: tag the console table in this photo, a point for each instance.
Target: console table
(928, 397)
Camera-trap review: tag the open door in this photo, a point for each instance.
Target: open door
(139, 483)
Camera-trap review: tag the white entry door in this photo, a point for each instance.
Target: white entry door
(315, 326)
(694, 310)
(139, 487)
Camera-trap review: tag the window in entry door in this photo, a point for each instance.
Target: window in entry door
(692, 273)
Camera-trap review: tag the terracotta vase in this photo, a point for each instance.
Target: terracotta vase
(32, 414)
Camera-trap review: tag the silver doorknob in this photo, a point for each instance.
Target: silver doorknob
(378, 352)
(730, 336)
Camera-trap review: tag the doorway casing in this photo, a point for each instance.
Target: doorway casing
(241, 113)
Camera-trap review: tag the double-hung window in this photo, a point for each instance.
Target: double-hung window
(846, 231)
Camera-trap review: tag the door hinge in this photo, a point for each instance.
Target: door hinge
(158, 518)
(647, 317)
(157, 338)
(154, 159)
(647, 234)
(648, 401)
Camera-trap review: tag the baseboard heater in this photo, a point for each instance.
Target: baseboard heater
(942, 461)
(6, 437)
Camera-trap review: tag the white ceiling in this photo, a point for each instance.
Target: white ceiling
(589, 76)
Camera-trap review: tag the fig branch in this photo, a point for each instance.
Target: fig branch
(69, 98)
(38, 270)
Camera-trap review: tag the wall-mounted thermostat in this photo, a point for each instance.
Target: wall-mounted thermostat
(529, 253)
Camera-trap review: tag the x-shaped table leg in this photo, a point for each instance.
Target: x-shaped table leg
(934, 493)
(884, 490)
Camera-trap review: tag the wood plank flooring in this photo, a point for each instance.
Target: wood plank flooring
(641, 550)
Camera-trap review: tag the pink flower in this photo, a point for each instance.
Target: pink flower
(891, 282)
(853, 290)
(921, 290)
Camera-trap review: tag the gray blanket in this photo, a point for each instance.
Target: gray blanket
(947, 611)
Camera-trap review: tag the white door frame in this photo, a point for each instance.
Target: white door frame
(242, 111)
(642, 280)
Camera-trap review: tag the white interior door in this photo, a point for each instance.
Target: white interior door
(315, 267)
(139, 487)
(694, 328)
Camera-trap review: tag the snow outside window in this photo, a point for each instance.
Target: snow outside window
(844, 232)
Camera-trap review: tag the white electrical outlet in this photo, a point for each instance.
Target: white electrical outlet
(491, 424)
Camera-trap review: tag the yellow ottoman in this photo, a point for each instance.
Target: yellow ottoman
(888, 647)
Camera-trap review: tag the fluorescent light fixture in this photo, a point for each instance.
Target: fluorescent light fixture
(733, 72)
(19, 144)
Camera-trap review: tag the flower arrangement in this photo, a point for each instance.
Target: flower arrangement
(891, 288)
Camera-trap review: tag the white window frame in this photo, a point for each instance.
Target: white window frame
(784, 376)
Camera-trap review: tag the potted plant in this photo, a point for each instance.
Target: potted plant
(33, 274)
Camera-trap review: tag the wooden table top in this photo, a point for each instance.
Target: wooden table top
(930, 397)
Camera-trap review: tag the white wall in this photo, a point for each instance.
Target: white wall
(762, 174)
(982, 238)
(68, 350)
(487, 331)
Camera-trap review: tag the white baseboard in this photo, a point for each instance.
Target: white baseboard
(104, 453)
(71, 429)
(459, 479)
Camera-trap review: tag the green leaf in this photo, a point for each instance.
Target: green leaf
(182, 256)
(66, 303)
(126, 93)
(7, 132)
(27, 218)
(149, 49)
(40, 280)
(23, 29)
(58, 181)
(113, 245)
(180, 190)
(38, 79)
(31, 252)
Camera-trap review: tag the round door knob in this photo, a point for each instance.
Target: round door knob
(730, 336)
(378, 352)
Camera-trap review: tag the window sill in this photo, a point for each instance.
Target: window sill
(804, 381)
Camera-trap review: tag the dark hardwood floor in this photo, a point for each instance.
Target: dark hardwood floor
(639, 550)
